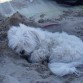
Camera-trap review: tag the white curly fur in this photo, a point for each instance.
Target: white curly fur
(31, 0)
(65, 52)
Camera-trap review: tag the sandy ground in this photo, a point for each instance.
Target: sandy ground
(14, 69)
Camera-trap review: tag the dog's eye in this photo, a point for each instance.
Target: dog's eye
(22, 52)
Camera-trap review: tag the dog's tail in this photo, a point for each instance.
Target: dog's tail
(61, 69)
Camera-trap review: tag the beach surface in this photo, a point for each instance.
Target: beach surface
(15, 69)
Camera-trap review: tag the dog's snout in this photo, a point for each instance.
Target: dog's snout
(22, 52)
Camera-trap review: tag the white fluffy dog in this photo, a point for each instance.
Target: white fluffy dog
(64, 52)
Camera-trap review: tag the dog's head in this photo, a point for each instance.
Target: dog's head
(21, 39)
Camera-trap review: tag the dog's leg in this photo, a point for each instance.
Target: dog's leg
(62, 69)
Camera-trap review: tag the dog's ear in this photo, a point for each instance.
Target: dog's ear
(33, 32)
(36, 36)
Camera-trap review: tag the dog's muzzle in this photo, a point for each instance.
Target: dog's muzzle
(22, 52)
(26, 57)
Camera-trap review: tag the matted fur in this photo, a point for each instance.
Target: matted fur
(64, 52)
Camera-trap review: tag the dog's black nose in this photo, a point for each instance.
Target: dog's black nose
(22, 52)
